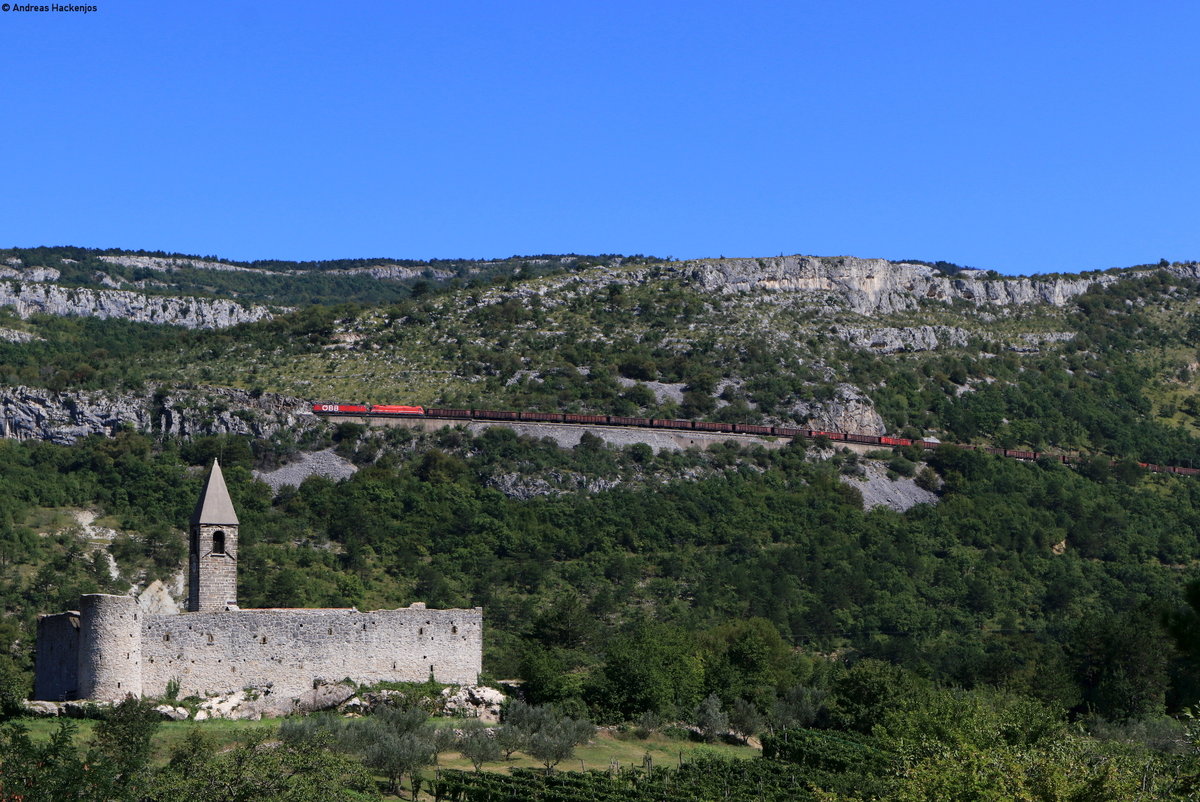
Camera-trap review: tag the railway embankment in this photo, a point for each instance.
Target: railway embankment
(568, 435)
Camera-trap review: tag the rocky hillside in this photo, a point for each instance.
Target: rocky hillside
(871, 286)
(837, 343)
(584, 550)
(66, 416)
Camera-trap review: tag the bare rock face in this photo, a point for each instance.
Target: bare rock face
(848, 411)
(164, 264)
(891, 340)
(32, 414)
(872, 286)
(64, 417)
(30, 273)
(156, 599)
(14, 336)
(29, 298)
(394, 272)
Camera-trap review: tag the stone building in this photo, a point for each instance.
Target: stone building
(110, 648)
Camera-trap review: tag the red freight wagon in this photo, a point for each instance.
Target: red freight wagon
(787, 431)
(706, 426)
(895, 441)
(619, 421)
(585, 418)
(396, 409)
(747, 428)
(495, 414)
(438, 412)
(549, 417)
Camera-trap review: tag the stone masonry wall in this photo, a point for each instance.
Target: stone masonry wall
(56, 664)
(227, 651)
(110, 647)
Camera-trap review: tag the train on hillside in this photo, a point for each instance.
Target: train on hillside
(438, 413)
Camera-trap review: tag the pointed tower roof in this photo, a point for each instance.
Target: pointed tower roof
(214, 506)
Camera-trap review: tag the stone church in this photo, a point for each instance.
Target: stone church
(110, 648)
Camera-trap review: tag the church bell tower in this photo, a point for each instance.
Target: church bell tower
(213, 548)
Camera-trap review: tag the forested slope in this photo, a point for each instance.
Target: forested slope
(623, 582)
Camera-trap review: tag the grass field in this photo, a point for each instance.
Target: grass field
(605, 750)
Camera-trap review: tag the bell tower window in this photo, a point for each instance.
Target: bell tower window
(218, 542)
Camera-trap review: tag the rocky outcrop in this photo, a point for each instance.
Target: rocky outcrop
(324, 696)
(1032, 343)
(172, 712)
(890, 340)
(163, 264)
(848, 411)
(14, 336)
(29, 298)
(33, 414)
(872, 286)
(473, 701)
(394, 272)
(30, 274)
(262, 701)
(64, 417)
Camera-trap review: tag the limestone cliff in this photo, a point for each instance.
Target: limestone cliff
(163, 264)
(891, 339)
(871, 286)
(64, 417)
(394, 272)
(847, 411)
(866, 286)
(29, 298)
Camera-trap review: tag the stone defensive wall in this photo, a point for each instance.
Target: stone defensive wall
(226, 651)
(57, 657)
(110, 649)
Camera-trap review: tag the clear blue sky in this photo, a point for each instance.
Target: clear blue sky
(1018, 136)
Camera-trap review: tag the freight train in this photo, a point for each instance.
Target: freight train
(438, 413)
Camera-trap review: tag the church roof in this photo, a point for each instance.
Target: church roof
(214, 506)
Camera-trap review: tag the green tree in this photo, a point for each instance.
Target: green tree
(653, 668)
(1121, 663)
(711, 718)
(258, 769)
(478, 744)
